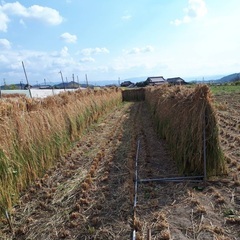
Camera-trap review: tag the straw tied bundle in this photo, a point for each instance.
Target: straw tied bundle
(186, 119)
(34, 133)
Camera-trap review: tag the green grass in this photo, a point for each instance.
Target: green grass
(221, 89)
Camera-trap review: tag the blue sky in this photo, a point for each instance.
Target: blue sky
(111, 39)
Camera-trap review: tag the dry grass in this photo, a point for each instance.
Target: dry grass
(182, 115)
(104, 210)
(133, 94)
(35, 132)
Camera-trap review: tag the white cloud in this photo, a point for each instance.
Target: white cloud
(126, 17)
(15, 8)
(140, 50)
(22, 23)
(51, 63)
(87, 59)
(44, 14)
(195, 9)
(134, 60)
(64, 52)
(3, 59)
(90, 51)
(3, 21)
(4, 43)
(69, 38)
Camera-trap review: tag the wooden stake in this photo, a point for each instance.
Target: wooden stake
(149, 234)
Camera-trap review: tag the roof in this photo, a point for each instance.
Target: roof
(175, 79)
(126, 83)
(156, 79)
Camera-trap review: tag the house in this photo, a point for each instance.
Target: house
(176, 81)
(126, 84)
(44, 86)
(27, 86)
(152, 81)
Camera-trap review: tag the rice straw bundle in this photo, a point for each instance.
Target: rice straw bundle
(34, 132)
(182, 115)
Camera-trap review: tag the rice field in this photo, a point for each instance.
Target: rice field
(34, 132)
(87, 191)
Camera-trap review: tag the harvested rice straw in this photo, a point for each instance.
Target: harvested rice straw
(181, 114)
(34, 132)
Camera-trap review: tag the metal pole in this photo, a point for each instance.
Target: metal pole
(73, 81)
(62, 80)
(135, 187)
(136, 175)
(86, 80)
(27, 80)
(171, 179)
(78, 82)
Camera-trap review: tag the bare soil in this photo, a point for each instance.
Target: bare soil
(89, 193)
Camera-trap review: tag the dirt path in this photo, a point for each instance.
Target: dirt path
(89, 194)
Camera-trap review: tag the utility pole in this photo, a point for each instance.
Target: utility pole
(73, 80)
(119, 81)
(86, 80)
(52, 88)
(27, 80)
(67, 83)
(78, 82)
(62, 80)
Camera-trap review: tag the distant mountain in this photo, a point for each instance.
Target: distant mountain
(229, 78)
(116, 82)
(219, 79)
(72, 84)
(47, 83)
(13, 86)
(136, 79)
(205, 78)
(103, 82)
